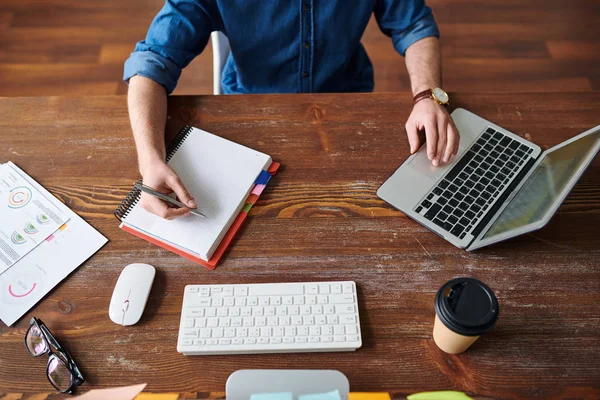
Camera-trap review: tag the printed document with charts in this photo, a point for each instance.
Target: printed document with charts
(28, 218)
(219, 174)
(36, 273)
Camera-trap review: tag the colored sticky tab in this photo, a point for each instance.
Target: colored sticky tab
(263, 178)
(157, 396)
(253, 198)
(49, 238)
(335, 395)
(274, 167)
(62, 227)
(272, 396)
(444, 395)
(368, 396)
(247, 207)
(258, 189)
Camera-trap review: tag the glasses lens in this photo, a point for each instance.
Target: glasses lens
(59, 374)
(36, 344)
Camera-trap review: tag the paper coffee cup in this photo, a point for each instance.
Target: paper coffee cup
(465, 309)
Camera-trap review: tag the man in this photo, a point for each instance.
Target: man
(293, 46)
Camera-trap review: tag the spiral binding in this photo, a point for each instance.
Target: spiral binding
(134, 196)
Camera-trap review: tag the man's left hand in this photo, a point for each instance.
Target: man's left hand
(441, 134)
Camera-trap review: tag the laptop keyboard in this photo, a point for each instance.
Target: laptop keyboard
(467, 191)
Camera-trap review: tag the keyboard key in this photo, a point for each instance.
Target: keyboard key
(453, 203)
(505, 141)
(463, 190)
(457, 230)
(470, 215)
(459, 196)
(470, 183)
(474, 193)
(444, 184)
(514, 145)
(432, 211)
(452, 219)
(453, 188)
(447, 194)
(442, 215)
(438, 191)
(458, 167)
(442, 200)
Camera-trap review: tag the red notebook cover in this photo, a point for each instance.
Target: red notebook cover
(233, 229)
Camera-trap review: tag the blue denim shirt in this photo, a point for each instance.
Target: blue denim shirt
(278, 46)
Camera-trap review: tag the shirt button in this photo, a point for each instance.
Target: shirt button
(306, 7)
(305, 75)
(306, 45)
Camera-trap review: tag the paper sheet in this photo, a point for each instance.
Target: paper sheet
(27, 217)
(368, 396)
(34, 275)
(119, 393)
(443, 395)
(333, 395)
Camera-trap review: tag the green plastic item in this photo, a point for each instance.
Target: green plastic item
(444, 395)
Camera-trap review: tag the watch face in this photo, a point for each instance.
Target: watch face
(440, 95)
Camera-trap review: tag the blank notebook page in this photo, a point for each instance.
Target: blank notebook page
(219, 174)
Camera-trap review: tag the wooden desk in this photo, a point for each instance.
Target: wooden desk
(319, 219)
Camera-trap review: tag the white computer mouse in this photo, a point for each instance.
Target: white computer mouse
(131, 293)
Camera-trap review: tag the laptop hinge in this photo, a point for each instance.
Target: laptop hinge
(492, 212)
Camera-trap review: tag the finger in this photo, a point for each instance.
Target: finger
(442, 126)
(451, 142)
(182, 194)
(413, 136)
(161, 209)
(432, 135)
(457, 135)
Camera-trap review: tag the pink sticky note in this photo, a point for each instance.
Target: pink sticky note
(258, 189)
(49, 238)
(120, 393)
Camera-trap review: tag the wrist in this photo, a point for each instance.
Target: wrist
(149, 160)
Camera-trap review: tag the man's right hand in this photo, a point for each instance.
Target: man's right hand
(159, 176)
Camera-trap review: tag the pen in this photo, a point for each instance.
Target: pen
(149, 190)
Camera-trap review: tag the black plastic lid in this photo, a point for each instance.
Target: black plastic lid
(466, 306)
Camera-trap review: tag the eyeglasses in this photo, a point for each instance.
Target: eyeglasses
(62, 372)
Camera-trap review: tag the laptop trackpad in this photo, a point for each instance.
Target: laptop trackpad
(423, 165)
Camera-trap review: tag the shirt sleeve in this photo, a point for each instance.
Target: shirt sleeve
(405, 21)
(178, 33)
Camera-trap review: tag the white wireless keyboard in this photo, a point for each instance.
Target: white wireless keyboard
(269, 318)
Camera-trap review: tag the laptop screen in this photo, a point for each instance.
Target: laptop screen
(545, 184)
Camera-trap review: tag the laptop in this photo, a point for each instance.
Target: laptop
(497, 187)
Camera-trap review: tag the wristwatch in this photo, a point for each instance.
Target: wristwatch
(437, 94)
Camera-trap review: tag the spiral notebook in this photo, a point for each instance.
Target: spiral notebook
(225, 179)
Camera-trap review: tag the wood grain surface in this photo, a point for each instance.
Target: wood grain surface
(319, 219)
